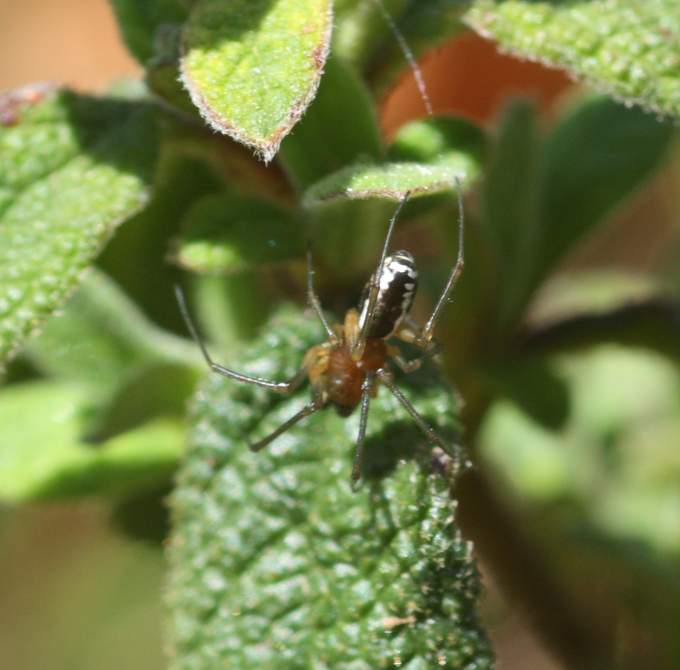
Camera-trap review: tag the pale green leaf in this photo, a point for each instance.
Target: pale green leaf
(391, 180)
(43, 456)
(628, 48)
(72, 168)
(253, 66)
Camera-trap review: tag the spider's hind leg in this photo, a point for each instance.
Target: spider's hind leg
(308, 409)
(453, 451)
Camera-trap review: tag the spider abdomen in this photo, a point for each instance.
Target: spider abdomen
(344, 376)
(396, 289)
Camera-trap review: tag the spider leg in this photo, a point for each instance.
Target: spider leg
(425, 336)
(313, 298)
(308, 409)
(407, 335)
(358, 349)
(284, 388)
(386, 378)
(361, 436)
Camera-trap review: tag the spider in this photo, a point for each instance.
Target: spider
(346, 369)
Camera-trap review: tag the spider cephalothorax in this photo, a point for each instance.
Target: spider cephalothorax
(346, 370)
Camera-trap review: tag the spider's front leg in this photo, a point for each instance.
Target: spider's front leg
(284, 388)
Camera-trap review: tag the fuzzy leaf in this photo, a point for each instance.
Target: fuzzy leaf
(225, 234)
(276, 563)
(141, 22)
(330, 135)
(626, 47)
(42, 455)
(253, 66)
(71, 169)
(391, 180)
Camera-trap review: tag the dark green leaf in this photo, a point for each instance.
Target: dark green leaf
(224, 234)
(361, 28)
(626, 47)
(595, 158)
(141, 22)
(72, 168)
(253, 66)
(534, 386)
(276, 563)
(137, 256)
(333, 134)
(511, 221)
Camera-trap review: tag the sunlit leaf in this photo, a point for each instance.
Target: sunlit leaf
(274, 561)
(253, 66)
(626, 47)
(72, 168)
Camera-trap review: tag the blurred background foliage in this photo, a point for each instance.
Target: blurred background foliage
(563, 336)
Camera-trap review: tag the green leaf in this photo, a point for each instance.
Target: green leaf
(510, 205)
(42, 454)
(72, 168)
(391, 181)
(101, 336)
(626, 47)
(253, 66)
(141, 22)
(440, 140)
(332, 135)
(592, 160)
(276, 563)
(361, 28)
(136, 256)
(130, 370)
(534, 386)
(225, 234)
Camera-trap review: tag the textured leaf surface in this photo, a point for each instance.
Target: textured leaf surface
(627, 47)
(275, 563)
(71, 169)
(42, 455)
(253, 66)
(226, 234)
(391, 180)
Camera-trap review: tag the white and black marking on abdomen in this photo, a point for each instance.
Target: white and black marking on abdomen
(397, 286)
